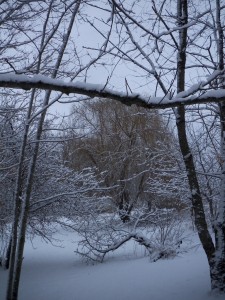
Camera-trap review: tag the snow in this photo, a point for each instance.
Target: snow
(57, 273)
(22, 81)
(39, 78)
(198, 86)
(17, 80)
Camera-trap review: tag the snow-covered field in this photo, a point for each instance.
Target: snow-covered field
(57, 273)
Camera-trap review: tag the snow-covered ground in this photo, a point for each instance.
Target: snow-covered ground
(57, 273)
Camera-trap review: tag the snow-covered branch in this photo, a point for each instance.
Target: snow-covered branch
(25, 82)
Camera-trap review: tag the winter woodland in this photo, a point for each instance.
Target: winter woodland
(112, 126)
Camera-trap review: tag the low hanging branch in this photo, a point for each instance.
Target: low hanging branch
(94, 253)
(16, 81)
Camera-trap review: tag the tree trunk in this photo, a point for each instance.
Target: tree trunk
(25, 208)
(7, 256)
(13, 286)
(215, 254)
(217, 268)
(124, 207)
(17, 203)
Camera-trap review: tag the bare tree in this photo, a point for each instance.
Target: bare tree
(125, 146)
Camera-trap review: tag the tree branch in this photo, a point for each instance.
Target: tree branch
(25, 82)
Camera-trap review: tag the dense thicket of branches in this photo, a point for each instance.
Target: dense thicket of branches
(133, 153)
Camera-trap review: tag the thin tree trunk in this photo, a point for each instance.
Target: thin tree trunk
(25, 207)
(13, 288)
(218, 266)
(196, 198)
(17, 203)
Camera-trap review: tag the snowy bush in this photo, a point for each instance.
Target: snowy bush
(102, 234)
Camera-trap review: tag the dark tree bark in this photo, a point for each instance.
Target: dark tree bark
(7, 257)
(215, 258)
(217, 267)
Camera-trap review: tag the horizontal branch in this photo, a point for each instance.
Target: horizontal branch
(25, 82)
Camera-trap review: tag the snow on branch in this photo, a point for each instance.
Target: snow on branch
(95, 253)
(15, 81)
